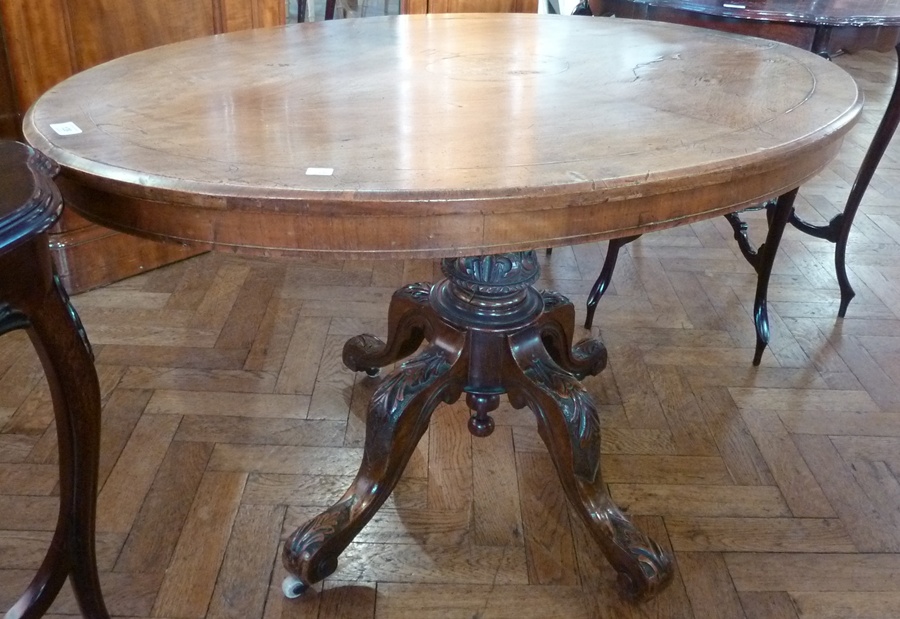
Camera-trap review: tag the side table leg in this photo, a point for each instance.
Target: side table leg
(398, 416)
(606, 273)
(880, 141)
(59, 339)
(778, 218)
(569, 424)
(838, 229)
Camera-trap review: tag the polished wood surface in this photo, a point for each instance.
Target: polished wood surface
(222, 163)
(32, 299)
(467, 6)
(49, 40)
(824, 12)
(9, 119)
(229, 420)
(828, 26)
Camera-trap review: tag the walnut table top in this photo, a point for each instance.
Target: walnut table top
(439, 135)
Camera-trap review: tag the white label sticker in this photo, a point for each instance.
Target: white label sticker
(69, 128)
(319, 171)
(734, 6)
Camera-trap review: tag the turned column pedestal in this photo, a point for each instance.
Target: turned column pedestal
(488, 333)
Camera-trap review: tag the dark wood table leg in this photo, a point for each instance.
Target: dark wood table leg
(34, 300)
(606, 273)
(778, 214)
(569, 424)
(490, 333)
(397, 416)
(838, 229)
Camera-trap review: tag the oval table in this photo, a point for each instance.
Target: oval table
(475, 138)
(825, 27)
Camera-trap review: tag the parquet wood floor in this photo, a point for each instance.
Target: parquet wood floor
(228, 420)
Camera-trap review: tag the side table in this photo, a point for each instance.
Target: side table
(32, 298)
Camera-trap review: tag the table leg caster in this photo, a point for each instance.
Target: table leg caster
(293, 587)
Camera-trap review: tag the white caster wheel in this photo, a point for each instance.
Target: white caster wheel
(293, 587)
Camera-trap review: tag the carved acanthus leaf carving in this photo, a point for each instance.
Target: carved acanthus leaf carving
(582, 417)
(412, 377)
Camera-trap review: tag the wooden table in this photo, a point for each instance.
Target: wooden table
(826, 27)
(32, 298)
(476, 138)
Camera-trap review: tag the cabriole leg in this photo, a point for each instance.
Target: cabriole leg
(398, 416)
(568, 423)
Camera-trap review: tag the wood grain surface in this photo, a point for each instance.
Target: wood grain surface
(445, 134)
(823, 12)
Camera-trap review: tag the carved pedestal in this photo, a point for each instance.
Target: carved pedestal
(489, 333)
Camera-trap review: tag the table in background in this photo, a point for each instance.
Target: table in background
(454, 136)
(33, 299)
(826, 27)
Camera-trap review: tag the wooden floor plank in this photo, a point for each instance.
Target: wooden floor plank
(404, 601)
(814, 572)
(154, 534)
(496, 511)
(548, 538)
(768, 605)
(123, 493)
(190, 579)
(708, 585)
(247, 566)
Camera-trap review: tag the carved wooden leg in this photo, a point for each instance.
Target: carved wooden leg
(556, 325)
(491, 333)
(569, 424)
(409, 321)
(398, 416)
(606, 273)
(778, 219)
(56, 333)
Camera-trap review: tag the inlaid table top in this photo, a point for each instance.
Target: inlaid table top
(439, 135)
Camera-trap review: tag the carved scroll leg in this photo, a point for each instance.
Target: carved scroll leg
(606, 273)
(557, 326)
(778, 218)
(880, 142)
(568, 422)
(408, 324)
(67, 362)
(398, 416)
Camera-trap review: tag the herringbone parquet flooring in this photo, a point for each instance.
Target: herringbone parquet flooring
(228, 420)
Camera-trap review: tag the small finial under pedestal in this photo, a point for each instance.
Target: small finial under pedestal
(481, 424)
